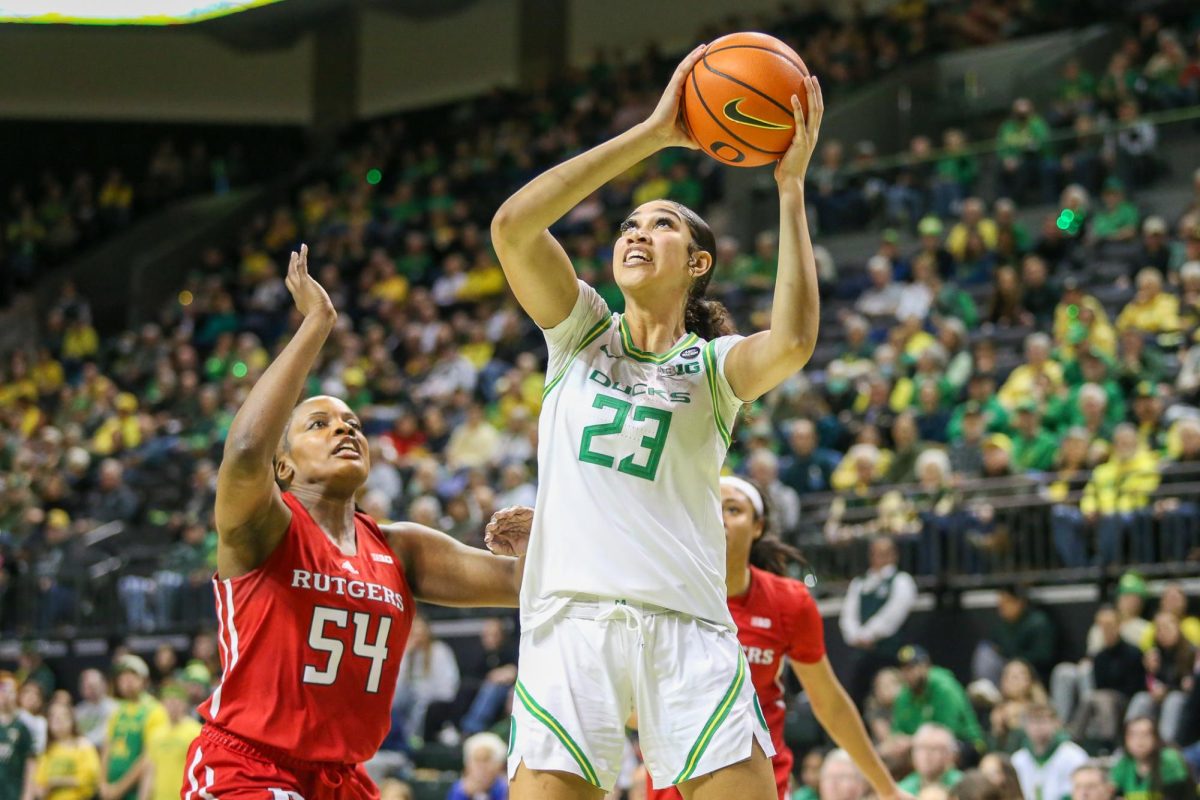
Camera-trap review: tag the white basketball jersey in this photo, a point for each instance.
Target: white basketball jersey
(630, 448)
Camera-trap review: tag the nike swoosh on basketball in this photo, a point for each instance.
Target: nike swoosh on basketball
(733, 113)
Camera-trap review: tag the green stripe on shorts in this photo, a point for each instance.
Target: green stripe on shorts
(714, 722)
(547, 719)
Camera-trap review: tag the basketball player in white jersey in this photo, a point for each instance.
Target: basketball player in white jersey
(623, 604)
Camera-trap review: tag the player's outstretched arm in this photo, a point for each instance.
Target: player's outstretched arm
(537, 268)
(444, 571)
(836, 712)
(761, 362)
(251, 515)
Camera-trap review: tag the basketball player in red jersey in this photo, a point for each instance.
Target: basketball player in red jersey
(776, 618)
(314, 600)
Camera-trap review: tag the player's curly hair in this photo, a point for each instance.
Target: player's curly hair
(706, 318)
(769, 552)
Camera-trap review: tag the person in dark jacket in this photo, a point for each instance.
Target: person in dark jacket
(1117, 675)
(1021, 631)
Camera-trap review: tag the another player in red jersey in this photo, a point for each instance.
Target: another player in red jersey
(777, 619)
(314, 599)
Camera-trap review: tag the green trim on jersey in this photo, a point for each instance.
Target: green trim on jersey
(710, 374)
(589, 337)
(546, 718)
(758, 710)
(637, 354)
(714, 722)
(512, 735)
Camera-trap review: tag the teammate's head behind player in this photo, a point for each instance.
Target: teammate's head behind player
(323, 449)
(664, 257)
(749, 536)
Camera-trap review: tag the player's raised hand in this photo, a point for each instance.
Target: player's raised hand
(666, 121)
(507, 534)
(795, 161)
(309, 295)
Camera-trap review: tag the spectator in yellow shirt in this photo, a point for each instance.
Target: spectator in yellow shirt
(80, 341)
(70, 767)
(166, 750)
(1118, 493)
(1080, 318)
(122, 432)
(973, 221)
(1023, 381)
(1151, 310)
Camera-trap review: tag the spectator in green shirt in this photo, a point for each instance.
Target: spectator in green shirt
(16, 746)
(1023, 147)
(955, 173)
(933, 757)
(1033, 447)
(933, 694)
(139, 717)
(1075, 95)
(1148, 770)
(1117, 220)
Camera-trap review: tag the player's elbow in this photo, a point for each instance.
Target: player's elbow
(506, 227)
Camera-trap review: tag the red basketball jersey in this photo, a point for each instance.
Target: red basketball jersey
(776, 617)
(311, 643)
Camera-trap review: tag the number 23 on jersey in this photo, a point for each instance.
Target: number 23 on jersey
(643, 462)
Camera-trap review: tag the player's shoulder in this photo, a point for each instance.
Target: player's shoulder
(782, 590)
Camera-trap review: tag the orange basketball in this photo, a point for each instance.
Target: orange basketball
(737, 101)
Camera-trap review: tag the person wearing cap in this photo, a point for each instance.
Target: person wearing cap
(1116, 222)
(1151, 310)
(1034, 448)
(1023, 143)
(966, 453)
(139, 717)
(877, 604)
(929, 231)
(933, 694)
(121, 431)
(167, 748)
(1148, 417)
(1155, 249)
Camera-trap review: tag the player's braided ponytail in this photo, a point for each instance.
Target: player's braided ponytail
(706, 318)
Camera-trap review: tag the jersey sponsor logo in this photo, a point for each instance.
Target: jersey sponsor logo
(734, 113)
(759, 655)
(346, 565)
(675, 370)
(691, 352)
(638, 389)
(760, 622)
(382, 558)
(345, 587)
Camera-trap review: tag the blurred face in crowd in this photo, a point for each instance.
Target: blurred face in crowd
(128, 684)
(1016, 680)
(92, 686)
(653, 249)
(1129, 605)
(31, 698)
(810, 768)
(915, 676)
(1109, 626)
(1125, 443)
(1009, 606)
(61, 722)
(1174, 601)
(995, 460)
(1189, 439)
(1090, 784)
(1140, 739)
(882, 553)
(1074, 451)
(492, 634)
(324, 446)
(803, 437)
(932, 753)
(1040, 727)
(993, 769)
(1166, 629)
(482, 765)
(841, 780)
(886, 687)
(742, 525)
